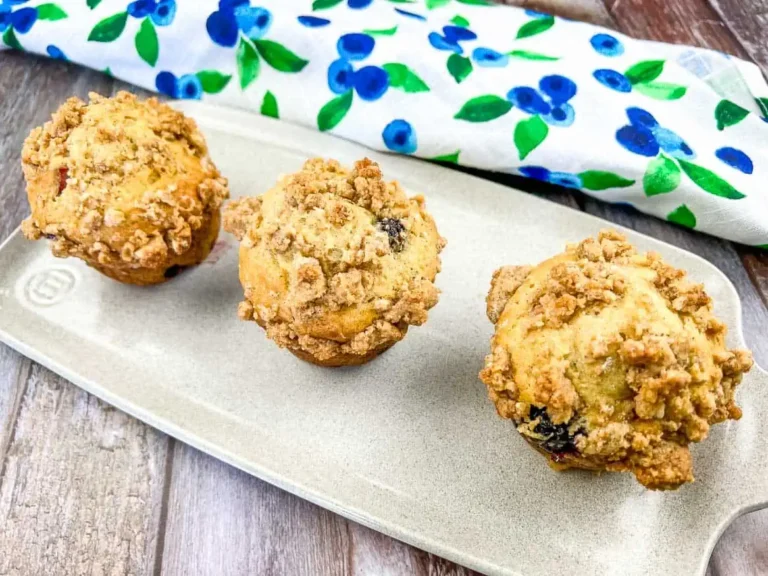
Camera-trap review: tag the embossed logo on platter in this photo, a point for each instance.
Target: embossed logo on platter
(49, 286)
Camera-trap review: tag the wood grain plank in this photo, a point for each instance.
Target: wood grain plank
(592, 11)
(82, 488)
(748, 21)
(14, 370)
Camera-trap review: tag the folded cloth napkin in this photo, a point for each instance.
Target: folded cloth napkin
(676, 132)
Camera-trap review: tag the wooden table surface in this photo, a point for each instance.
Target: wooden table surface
(86, 489)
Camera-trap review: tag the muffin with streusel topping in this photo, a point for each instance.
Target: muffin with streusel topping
(608, 359)
(336, 264)
(125, 185)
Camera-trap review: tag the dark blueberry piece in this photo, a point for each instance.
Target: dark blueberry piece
(396, 232)
(63, 175)
(51, 236)
(174, 271)
(557, 437)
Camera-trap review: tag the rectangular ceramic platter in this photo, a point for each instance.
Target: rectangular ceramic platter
(409, 444)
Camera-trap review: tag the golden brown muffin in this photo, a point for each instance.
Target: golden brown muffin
(607, 359)
(336, 264)
(125, 185)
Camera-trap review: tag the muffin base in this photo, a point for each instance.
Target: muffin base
(339, 360)
(203, 240)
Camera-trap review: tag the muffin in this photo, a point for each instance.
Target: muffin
(336, 264)
(125, 185)
(607, 359)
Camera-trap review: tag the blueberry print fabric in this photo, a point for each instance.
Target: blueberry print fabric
(677, 132)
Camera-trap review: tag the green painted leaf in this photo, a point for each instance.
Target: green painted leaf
(383, 32)
(402, 77)
(324, 4)
(459, 67)
(535, 26)
(248, 63)
(762, 103)
(269, 105)
(50, 12)
(682, 215)
(109, 29)
(279, 57)
(709, 181)
(529, 134)
(10, 40)
(459, 20)
(432, 4)
(729, 113)
(334, 111)
(645, 71)
(763, 246)
(146, 42)
(213, 81)
(92, 3)
(476, 2)
(661, 176)
(600, 180)
(108, 72)
(661, 90)
(484, 108)
(528, 55)
(448, 158)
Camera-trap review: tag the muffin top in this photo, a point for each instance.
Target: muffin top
(335, 259)
(119, 179)
(613, 354)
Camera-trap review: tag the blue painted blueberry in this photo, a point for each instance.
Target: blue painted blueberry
(672, 144)
(535, 13)
(535, 172)
(371, 82)
(638, 140)
(441, 43)
(565, 179)
(341, 76)
(559, 88)
(313, 21)
(355, 46)
(190, 87)
(613, 80)
(5, 17)
(458, 34)
(55, 52)
(23, 20)
(141, 8)
(358, 4)
(222, 28)
(230, 5)
(562, 115)
(253, 21)
(399, 136)
(607, 45)
(489, 58)
(640, 117)
(410, 14)
(528, 100)
(164, 12)
(166, 83)
(735, 158)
